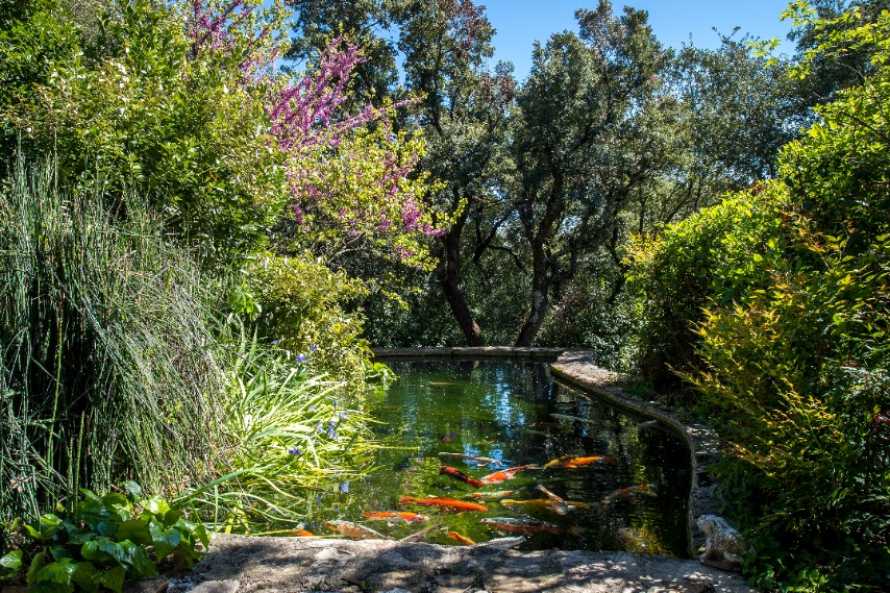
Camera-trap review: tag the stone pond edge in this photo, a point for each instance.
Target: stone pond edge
(577, 368)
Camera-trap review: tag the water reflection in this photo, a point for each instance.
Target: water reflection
(515, 414)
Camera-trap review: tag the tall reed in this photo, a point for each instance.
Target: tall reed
(108, 366)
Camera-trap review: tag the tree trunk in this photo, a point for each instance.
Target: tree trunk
(540, 299)
(449, 278)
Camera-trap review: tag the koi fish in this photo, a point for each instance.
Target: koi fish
(474, 458)
(456, 473)
(449, 504)
(569, 462)
(538, 503)
(522, 526)
(505, 474)
(354, 530)
(628, 492)
(405, 516)
(462, 539)
(302, 533)
(492, 495)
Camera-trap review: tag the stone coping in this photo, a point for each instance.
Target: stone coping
(237, 564)
(577, 369)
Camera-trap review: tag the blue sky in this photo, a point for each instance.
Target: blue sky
(520, 22)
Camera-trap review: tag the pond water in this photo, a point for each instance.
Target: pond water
(630, 493)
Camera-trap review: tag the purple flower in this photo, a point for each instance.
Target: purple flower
(320, 426)
(344, 487)
(295, 451)
(313, 348)
(332, 430)
(301, 358)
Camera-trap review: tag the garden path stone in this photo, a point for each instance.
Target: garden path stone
(238, 564)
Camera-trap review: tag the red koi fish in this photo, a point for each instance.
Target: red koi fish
(521, 526)
(405, 516)
(505, 474)
(456, 473)
(462, 539)
(448, 504)
(569, 462)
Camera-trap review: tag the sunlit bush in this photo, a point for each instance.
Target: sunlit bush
(714, 256)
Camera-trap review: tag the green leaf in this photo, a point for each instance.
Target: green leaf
(37, 563)
(113, 578)
(156, 506)
(103, 549)
(58, 573)
(139, 560)
(117, 501)
(85, 577)
(164, 540)
(135, 530)
(133, 489)
(11, 561)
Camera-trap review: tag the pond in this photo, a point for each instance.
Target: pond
(611, 480)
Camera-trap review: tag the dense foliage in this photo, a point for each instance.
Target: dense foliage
(198, 247)
(790, 349)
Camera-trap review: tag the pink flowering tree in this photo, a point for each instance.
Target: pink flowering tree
(349, 177)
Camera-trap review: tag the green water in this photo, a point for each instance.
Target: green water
(514, 413)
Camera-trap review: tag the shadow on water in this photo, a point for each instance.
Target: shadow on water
(516, 414)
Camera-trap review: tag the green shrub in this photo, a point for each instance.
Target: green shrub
(133, 107)
(311, 311)
(791, 349)
(105, 541)
(107, 367)
(714, 256)
(292, 433)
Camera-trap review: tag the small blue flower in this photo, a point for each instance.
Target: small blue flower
(320, 427)
(344, 487)
(295, 451)
(332, 430)
(313, 347)
(301, 358)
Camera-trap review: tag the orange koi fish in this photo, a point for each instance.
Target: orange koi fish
(405, 516)
(505, 474)
(302, 533)
(492, 495)
(522, 526)
(456, 473)
(569, 462)
(448, 504)
(354, 530)
(462, 539)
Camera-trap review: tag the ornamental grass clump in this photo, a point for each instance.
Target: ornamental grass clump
(292, 435)
(106, 354)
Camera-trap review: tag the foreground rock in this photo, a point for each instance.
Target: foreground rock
(238, 564)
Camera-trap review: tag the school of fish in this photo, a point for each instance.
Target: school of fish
(512, 525)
